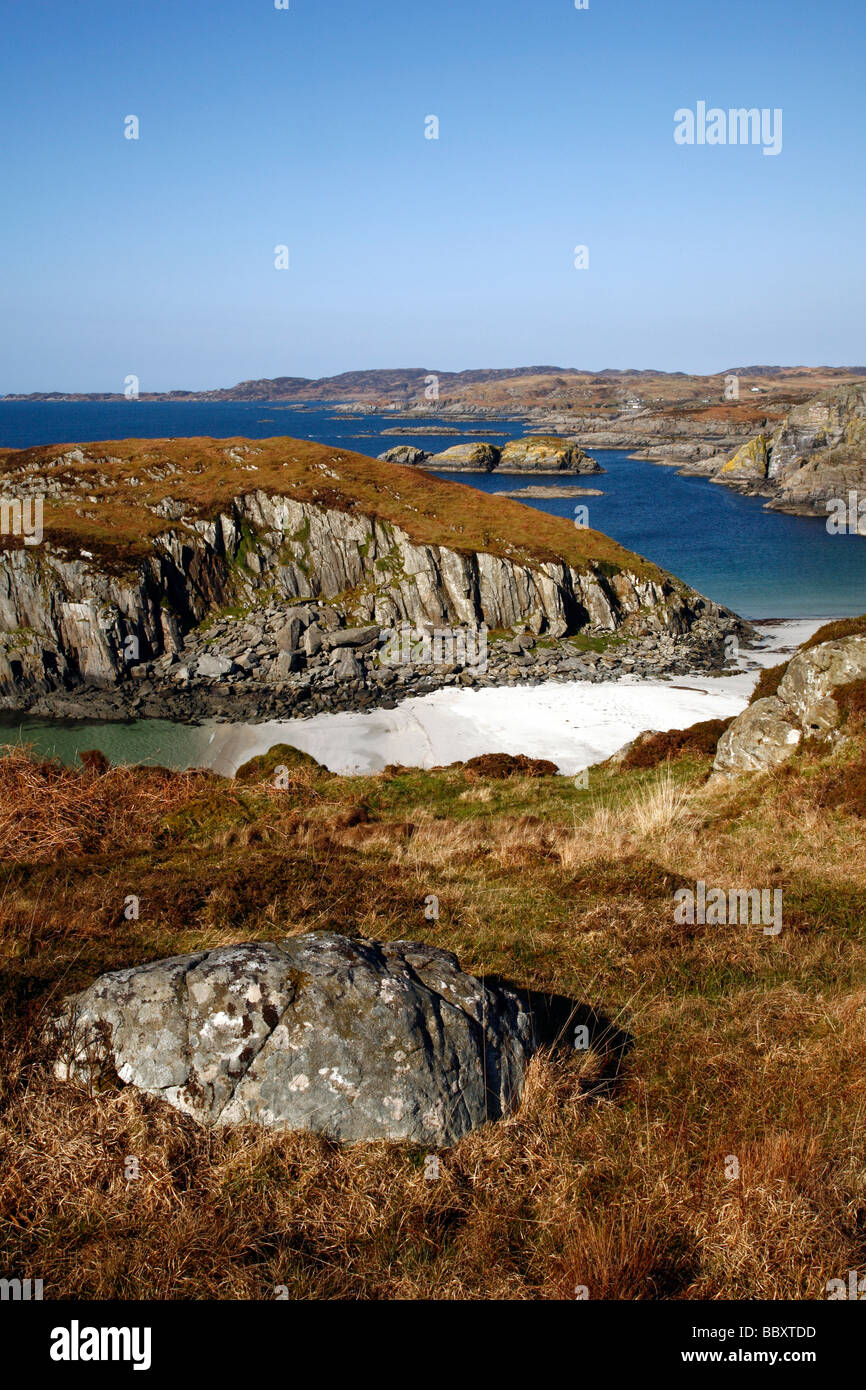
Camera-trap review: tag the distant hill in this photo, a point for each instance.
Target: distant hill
(485, 388)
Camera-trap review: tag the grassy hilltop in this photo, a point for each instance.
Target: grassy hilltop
(706, 1041)
(102, 497)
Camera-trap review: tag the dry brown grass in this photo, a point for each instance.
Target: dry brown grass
(614, 1179)
(48, 810)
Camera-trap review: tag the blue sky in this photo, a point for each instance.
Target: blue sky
(305, 127)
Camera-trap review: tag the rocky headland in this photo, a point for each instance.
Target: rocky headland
(815, 456)
(259, 579)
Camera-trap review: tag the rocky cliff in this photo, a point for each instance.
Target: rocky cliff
(126, 578)
(817, 455)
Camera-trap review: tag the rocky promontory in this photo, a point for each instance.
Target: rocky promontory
(816, 456)
(243, 579)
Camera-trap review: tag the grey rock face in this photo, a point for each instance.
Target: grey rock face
(355, 1039)
(811, 676)
(63, 622)
(768, 731)
(813, 457)
(761, 737)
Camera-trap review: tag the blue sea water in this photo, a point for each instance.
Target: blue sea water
(762, 564)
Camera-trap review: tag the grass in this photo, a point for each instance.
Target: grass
(739, 1044)
(127, 477)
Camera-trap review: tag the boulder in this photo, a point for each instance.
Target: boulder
(354, 1039)
(213, 666)
(314, 639)
(284, 664)
(345, 664)
(289, 636)
(769, 730)
(354, 636)
(761, 737)
(811, 676)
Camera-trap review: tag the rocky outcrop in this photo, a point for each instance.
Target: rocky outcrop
(749, 463)
(354, 1039)
(532, 454)
(546, 454)
(405, 454)
(475, 458)
(759, 738)
(815, 457)
(771, 729)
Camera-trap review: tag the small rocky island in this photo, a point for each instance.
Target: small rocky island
(533, 454)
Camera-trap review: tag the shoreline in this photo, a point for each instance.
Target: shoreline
(573, 723)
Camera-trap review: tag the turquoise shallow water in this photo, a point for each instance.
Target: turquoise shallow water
(150, 741)
(763, 564)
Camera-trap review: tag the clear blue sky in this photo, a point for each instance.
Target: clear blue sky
(305, 127)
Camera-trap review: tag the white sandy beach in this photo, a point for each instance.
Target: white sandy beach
(574, 724)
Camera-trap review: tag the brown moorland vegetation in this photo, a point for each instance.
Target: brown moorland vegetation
(740, 1044)
(699, 739)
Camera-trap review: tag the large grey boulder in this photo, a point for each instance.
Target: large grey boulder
(768, 731)
(353, 636)
(811, 676)
(212, 666)
(761, 737)
(354, 1039)
(290, 634)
